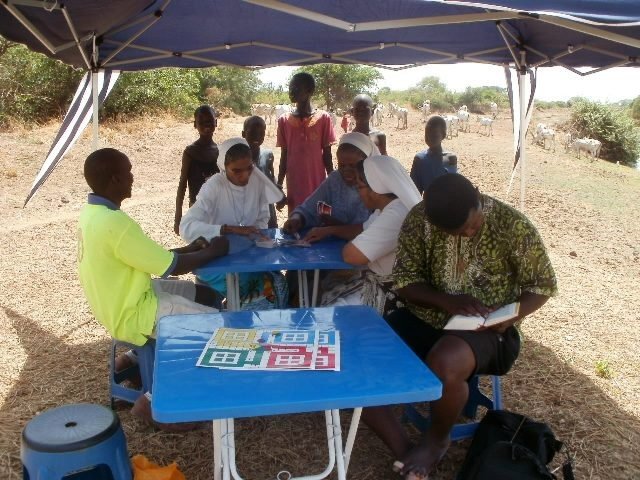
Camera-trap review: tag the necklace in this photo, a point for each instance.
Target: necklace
(239, 219)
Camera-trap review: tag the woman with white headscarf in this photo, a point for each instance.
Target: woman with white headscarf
(385, 187)
(236, 201)
(348, 213)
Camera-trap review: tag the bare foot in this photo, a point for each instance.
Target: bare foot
(423, 458)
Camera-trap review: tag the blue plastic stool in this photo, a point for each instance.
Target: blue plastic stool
(75, 441)
(476, 399)
(144, 369)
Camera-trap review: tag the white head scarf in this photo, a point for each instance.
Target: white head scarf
(386, 175)
(272, 193)
(360, 141)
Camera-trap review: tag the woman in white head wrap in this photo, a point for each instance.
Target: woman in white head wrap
(234, 201)
(339, 191)
(385, 187)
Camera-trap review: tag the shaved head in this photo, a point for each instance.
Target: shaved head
(100, 166)
(436, 121)
(363, 98)
(253, 120)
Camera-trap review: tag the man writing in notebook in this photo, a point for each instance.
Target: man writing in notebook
(459, 252)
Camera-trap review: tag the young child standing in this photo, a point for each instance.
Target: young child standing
(198, 160)
(305, 136)
(434, 162)
(362, 111)
(253, 132)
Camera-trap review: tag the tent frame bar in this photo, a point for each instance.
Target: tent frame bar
(157, 16)
(503, 33)
(589, 30)
(28, 25)
(72, 29)
(382, 25)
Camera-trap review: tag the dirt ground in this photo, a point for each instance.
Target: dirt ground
(580, 365)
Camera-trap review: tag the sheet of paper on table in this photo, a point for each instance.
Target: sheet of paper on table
(272, 349)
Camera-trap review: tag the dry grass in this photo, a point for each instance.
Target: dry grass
(53, 352)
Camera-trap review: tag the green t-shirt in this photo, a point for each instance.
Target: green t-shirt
(115, 263)
(505, 258)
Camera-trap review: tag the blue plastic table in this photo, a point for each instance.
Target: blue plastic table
(377, 368)
(323, 255)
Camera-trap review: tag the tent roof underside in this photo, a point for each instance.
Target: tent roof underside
(144, 34)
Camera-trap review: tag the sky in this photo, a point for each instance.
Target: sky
(554, 83)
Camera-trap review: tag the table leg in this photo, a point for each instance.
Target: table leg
(224, 448)
(337, 437)
(224, 444)
(305, 282)
(328, 418)
(351, 437)
(217, 450)
(316, 281)
(232, 287)
(302, 291)
(231, 443)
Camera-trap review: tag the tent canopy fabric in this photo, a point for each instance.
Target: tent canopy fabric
(142, 34)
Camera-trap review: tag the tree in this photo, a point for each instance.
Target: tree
(432, 86)
(434, 90)
(230, 87)
(338, 84)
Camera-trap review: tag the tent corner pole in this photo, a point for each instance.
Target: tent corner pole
(94, 100)
(522, 73)
(94, 92)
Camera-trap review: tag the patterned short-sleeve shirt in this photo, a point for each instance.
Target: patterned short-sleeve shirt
(505, 258)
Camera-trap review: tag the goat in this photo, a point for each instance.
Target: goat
(463, 116)
(588, 145)
(544, 133)
(452, 122)
(378, 113)
(493, 107)
(263, 110)
(487, 123)
(425, 108)
(401, 114)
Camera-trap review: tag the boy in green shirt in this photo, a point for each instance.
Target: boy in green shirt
(116, 260)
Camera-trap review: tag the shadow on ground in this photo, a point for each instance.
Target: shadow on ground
(541, 386)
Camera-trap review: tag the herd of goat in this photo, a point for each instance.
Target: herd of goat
(543, 135)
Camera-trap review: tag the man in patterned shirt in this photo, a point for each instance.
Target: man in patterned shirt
(459, 252)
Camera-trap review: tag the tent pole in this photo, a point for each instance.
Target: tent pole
(522, 73)
(94, 92)
(94, 99)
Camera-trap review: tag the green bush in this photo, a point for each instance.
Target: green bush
(478, 99)
(33, 87)
(634, 109)
(612, 126)
(142, 93)
(544, 105)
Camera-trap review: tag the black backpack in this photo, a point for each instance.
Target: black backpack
(508, 446)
